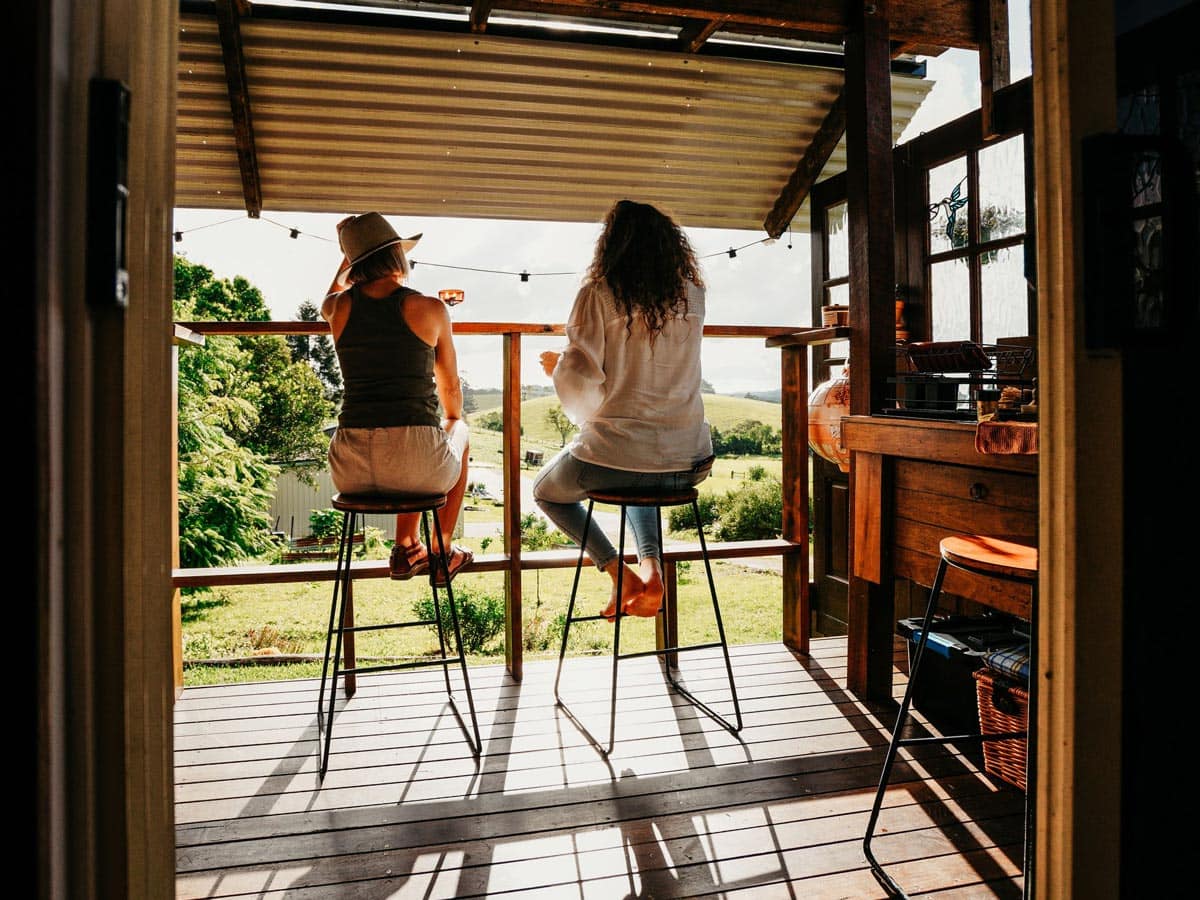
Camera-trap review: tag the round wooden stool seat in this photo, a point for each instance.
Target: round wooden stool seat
(638, 497)
(387, 503)
(992, 556)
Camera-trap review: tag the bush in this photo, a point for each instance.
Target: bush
(490, 421)
(752, 512)
(323, 523)
(756, 473)
(480, 617)
(536, 534)
(682, 518)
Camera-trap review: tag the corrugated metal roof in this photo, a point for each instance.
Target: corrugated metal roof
(427, 123)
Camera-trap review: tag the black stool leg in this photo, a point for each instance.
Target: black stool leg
(562, 651)
(897, 732)
(341, 584)
(620, 614)
(722, 643)
(477, 743)
(571, 617)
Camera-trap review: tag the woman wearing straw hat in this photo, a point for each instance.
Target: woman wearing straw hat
(396, 351)
(630, 379)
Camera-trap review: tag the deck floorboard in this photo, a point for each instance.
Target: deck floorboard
(682, 808)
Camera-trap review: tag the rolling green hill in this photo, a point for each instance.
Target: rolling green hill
(722, 412)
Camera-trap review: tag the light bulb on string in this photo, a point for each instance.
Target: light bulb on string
(523, 287)
(734, 262)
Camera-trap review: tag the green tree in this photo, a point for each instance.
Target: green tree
(318, 352)
(243, 403)
(225, 489)
(470, 404)
(559, 422)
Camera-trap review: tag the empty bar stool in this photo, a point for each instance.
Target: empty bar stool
(341, 610)
(623, 499)
(989, 557)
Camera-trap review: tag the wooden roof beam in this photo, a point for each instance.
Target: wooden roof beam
(695, 32)
(994, 67)
(480, 10)
(229, 13)
(942, 23)
(794, 193)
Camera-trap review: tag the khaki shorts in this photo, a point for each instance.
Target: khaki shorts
(408, 459)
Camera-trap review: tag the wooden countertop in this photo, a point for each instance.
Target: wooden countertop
(932, 439)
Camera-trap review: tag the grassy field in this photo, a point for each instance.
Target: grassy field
(225, 627)
(722, 413)
(231, 626)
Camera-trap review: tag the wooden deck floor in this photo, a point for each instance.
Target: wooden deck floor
(682, 808)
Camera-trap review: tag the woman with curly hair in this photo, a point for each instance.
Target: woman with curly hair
(629, 379)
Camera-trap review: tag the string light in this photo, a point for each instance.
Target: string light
(524, 275)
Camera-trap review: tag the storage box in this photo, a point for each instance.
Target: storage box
(944, 691)
(835, 314)
(1003, 707)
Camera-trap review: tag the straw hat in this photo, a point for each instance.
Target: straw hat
(360, 236)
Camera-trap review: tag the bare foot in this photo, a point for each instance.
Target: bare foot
(649, 601)
(631, 588)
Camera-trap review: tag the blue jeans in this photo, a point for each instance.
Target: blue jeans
(561, 488)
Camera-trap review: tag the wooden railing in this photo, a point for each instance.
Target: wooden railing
(792, 546)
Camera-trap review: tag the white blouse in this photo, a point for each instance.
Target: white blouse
(637, 404)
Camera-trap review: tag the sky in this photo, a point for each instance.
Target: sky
(767, 284)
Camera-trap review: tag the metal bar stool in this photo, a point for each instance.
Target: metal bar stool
(341, 610)
(623, 499)
(990, 557)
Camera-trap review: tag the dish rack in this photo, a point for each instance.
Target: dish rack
(942, 379)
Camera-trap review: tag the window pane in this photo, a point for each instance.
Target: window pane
(1148, 283)
(1004, 301)
(950, 293)
(838, 295)
(1002, 189)
(837, 238)
(948, 206)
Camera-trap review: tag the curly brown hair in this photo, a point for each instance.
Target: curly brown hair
(647, 261)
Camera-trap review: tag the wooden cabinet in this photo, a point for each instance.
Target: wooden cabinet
(913, 482)
(932, 500)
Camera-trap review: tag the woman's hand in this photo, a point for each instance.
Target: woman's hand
(549, 359)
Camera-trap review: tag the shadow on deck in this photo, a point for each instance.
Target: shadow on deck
(682, 808)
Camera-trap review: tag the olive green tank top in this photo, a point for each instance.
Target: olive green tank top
(387, 371)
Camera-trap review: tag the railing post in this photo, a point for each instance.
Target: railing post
(513, 642)
(797, 611)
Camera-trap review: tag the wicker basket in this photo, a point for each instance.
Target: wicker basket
(1003, 707)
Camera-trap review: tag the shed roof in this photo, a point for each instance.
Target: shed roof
(319, 109)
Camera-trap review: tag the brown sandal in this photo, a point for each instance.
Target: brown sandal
(460, 558)
(406, 562)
